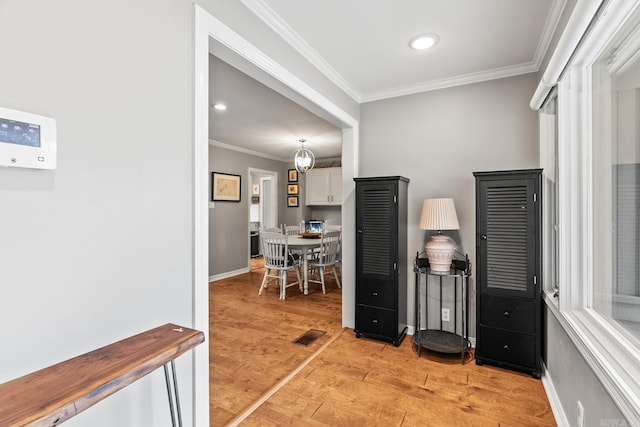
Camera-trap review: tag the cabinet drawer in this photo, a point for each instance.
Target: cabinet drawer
(508, 313)
(506, 346)
(378, 321)
(377, 294)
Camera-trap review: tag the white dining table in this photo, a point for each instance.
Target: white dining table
(305, 244)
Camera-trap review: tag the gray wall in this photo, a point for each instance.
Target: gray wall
(330, 214)
(574, 381)
(293, 216)
(229, 221)
(438, 139)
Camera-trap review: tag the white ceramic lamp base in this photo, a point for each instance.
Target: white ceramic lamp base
(440, 250)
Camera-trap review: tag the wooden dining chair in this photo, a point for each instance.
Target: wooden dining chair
(278, 262)
(326, 257)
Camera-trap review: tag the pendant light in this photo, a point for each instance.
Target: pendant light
(303, 158)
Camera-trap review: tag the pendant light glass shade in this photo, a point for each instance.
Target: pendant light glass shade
(303, 158)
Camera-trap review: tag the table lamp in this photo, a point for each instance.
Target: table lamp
(438, 215)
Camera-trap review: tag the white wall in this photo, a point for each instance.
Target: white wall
(100, 248)
(438, 139)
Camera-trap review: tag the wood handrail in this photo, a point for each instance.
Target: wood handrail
(54, 394)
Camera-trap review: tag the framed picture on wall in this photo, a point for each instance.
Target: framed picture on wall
(292, 201)
(225, 187)
(292, 189)
(293, 175)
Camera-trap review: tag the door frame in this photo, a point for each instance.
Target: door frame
(261, 174)
(208, 29)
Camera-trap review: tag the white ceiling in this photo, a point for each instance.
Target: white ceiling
(363, 47)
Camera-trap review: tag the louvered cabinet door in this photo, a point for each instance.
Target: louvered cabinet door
(376, 225)
(380, 258)
(508, 257)
(507, 229)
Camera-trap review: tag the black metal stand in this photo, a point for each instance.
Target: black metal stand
(438, 339)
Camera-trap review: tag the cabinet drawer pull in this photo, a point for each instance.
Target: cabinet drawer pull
(506, 314)
(506, 347)
(374, 321)
(375, 294)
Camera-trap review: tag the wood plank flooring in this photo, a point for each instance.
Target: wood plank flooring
(352, 382)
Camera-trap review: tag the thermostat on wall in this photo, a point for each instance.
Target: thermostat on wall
(27, 140)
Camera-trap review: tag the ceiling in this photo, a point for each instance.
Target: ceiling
(363, 47)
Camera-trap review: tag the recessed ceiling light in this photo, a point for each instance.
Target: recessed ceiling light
(424, 41)
(219, 106)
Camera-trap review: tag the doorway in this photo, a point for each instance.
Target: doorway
(210, 34)
(263, 209)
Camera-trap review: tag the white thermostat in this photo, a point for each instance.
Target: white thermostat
(27, 140)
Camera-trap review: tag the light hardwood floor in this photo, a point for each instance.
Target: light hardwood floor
(352, 382)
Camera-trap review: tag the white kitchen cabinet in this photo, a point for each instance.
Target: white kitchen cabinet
(324, 187)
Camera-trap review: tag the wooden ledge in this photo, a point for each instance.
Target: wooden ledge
(52, 395)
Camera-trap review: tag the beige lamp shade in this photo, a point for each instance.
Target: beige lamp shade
(439, 214)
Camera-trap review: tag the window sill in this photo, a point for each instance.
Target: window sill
(551, 299)
(616, 368)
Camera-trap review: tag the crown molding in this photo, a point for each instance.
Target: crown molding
(462, 80)
(280, 27)
(277, 24)
(214, 143)
(550, 26)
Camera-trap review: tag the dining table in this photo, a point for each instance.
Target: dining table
(304, 245)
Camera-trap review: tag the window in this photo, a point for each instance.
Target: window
(615, 91)
(549, 163)
(598, 177)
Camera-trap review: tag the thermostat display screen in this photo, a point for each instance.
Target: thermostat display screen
(20, 133)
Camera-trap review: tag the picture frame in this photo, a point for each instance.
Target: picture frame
(225, 187)
(293, 189)
(293, 175)
(292, 201)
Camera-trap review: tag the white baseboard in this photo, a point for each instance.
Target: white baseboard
(554, 399)
(229, 274)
